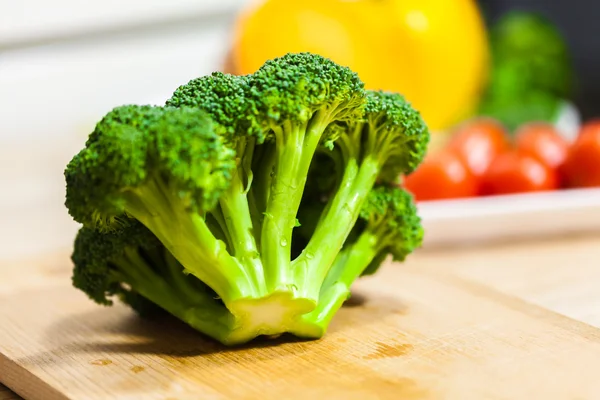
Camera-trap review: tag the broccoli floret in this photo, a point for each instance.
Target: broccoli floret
(297, 96)
(224, 98)
(389, 225)
(390, 139)
(139, 154)
(254, 185)
(131, 263)
(164, 167)
(392, 226)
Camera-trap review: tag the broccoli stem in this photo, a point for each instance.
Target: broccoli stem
(277, 226)
(316, 259)
(200, 311)
(335, 271)
(216, 223)
(349, 265)
(178, 278)
(240, 227)
(314, 324)
(263, 164)
(361, 253)
(186, 235)
(296, 144)
(256, 218)
(374, 147)
(346, 162)
(257, 200)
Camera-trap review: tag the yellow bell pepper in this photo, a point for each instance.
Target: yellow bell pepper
(434, 52)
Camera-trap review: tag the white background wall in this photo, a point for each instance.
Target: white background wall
(25, 20)
(64, 62)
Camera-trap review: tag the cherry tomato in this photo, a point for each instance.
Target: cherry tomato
(518, 172)
(591, 127)
(543, 142)
(582, 166)
(478, 142)
(442, 175)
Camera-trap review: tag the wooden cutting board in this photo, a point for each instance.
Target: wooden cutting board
(7, 394)
(459, 325)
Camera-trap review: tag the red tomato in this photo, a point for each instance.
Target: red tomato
(582, 166)
(518, 172)
(591, 127)
(543, 142)
(478, 142)
(441, 175)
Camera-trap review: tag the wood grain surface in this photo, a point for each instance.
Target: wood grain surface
(462, 325)
(7, 394)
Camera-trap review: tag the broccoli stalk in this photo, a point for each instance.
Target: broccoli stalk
(390, 225)
(223, 178)
(393, 226)
(391, 139)
(297, 97)
(241, 131)
(163, 167)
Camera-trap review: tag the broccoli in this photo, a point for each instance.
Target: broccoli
(251, 189)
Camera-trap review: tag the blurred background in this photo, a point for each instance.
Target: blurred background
(480, 72)
(576, 21)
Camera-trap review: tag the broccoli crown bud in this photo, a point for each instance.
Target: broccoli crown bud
(296, 85)
(403, 134)
(225, 98)
(99, 259)
(392, 213)
(134, 145)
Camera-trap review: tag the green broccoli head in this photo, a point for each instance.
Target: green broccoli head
(389, 224)
(246, 205)
(102, 260)
(396, 133)
(295, 86)
(191, 158)
(137, 155)
(225, 98)
(391, 136)
(133, 265)
(390, 214)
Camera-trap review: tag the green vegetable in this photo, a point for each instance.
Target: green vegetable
(132, 263)
(531, 72)
(247, 205)
(389, 224)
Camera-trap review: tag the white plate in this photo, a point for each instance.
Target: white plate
(500, 218)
